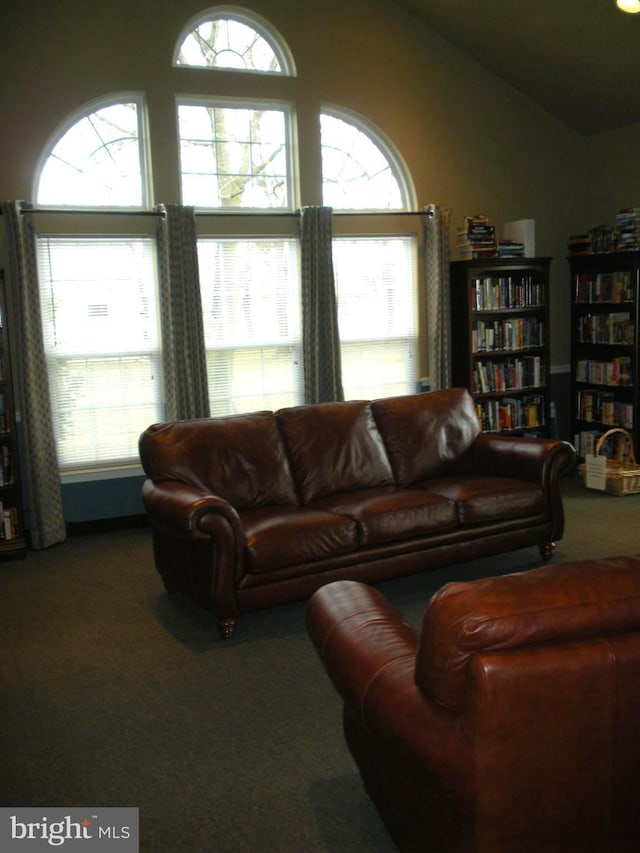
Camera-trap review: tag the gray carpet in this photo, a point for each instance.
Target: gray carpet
(111, 694)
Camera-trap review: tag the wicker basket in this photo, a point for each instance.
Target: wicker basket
(622, 472)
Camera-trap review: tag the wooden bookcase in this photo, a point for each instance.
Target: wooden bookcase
(500, 341)
(604, 346)
(12, 540)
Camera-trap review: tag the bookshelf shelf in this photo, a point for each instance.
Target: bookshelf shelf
(604, 345)
(500, 341)
(12, 539)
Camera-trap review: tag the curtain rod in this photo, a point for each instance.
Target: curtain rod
(111, 212)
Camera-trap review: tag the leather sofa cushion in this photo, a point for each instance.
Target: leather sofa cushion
(388, 514)
(424, 433)
(278, 537)
(334, 447)
(480, 500)
(240, 458)
(574, 600)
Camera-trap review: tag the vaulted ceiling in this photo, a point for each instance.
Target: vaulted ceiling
(578, 59)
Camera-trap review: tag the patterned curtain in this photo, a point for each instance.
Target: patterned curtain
(183, 350)
(41, 476)
(321, 340)
(435, 224)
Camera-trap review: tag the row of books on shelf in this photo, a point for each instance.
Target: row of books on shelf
(507, 334)
(613, 328)
(510, 375)
(617, 371)
(493, 293)
(602, 407)
(613, 287)
(9, 528)
(6, 468)
(3, 412)
(511, 413)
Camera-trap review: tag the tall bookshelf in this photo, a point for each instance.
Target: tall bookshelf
(12, 540)
(500, 341)
(604, 346)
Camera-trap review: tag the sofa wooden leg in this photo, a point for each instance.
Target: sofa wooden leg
(546, 550)
(227, 628)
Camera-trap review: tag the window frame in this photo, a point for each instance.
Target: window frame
(288, 110)
(294, 319)
(395, 230)
(128, 228)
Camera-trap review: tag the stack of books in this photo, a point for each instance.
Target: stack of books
(510, 249)
(579, 244)
(596, 241)
(628, 229)
(477, 238)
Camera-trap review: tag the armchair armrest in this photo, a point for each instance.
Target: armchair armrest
(369, 652)
(358, 635)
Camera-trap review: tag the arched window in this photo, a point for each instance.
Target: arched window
(360, 169)
(233, 38)
(98, 159)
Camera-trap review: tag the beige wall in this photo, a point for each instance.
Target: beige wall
(471, 142)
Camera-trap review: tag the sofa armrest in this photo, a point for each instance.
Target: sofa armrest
(184, 510)
(538, 460)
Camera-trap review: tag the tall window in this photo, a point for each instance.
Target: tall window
(238, 166)
(376, 276)
(98, 301)
(376, 289)
(251, 310)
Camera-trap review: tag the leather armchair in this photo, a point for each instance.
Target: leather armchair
(510, 723)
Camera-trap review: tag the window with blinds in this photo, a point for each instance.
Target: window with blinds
(100, 326)
(251, 311)
(376, 284)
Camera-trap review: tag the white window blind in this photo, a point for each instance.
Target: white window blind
(251, 312)
(376, 284)
(100, 326)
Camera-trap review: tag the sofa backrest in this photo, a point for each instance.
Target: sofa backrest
(424, 433)
(334, 447)
(240, 458)
(556, 604)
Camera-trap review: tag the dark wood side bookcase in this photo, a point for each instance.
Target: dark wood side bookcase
(604, 347)
(12, 539)
(500, 341)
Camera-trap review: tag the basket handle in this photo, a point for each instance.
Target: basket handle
(629, 455)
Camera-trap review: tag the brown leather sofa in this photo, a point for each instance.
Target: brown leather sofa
(510, 723)
(254, 510)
